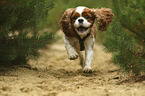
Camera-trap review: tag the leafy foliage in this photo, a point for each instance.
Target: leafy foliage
(125, 37)
(19, 39)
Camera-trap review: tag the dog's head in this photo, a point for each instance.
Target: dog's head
(81, 19)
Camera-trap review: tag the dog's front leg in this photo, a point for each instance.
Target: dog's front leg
(69, 45)
(88, 43)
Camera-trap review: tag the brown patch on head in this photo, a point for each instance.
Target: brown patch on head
(74, 16)
(89, 15)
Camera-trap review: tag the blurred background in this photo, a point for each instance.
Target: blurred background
(62, 5)
(55, 13)
(28, 26)
(25, 24)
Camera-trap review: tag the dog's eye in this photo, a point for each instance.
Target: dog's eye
(75, 17)
(87, 17)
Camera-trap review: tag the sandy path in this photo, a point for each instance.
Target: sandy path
(54, 75)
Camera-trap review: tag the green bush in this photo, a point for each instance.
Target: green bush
(19, 39)
(126, 37)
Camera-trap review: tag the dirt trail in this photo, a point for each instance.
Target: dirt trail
(54, 75)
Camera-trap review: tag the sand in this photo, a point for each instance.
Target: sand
(53, 74)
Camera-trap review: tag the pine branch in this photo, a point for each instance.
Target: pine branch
(131, 30)
(21, 16)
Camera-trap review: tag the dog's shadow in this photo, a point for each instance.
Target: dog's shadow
(63, 73)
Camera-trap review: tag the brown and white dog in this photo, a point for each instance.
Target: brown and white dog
(78, 25)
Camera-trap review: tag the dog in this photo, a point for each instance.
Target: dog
(79, 28)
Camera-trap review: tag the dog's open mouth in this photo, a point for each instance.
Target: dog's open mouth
(81, 29)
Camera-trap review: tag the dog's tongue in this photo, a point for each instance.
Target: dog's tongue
(81, 29)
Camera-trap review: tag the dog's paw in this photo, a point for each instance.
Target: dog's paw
(87, 70)
(73, 55)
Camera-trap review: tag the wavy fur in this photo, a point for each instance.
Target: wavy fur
(104, 18)
(65, 23)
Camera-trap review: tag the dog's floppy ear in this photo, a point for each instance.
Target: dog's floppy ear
(65, 22)
(104, 18)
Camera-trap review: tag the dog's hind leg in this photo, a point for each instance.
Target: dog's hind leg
(71, 51)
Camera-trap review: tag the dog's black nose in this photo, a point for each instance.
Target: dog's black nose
(80, 20)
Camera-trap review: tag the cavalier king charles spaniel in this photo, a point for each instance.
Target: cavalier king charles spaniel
(78, 25)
